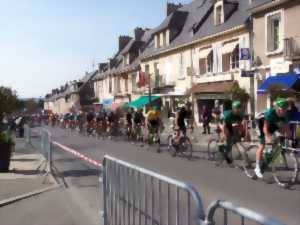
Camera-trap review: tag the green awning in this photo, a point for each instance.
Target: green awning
(142, 101)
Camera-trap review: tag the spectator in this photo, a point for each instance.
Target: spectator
(206, 118)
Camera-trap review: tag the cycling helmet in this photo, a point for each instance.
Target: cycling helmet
(236, 105)
(282, 103)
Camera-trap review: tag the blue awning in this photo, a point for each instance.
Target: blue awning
(286, 81)
(107, 102)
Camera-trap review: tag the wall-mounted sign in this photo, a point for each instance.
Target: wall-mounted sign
(245, 54)
(250, 73)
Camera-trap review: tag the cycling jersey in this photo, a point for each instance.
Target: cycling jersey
(138, 118)
(229, 118)
(153, 115)
(274, 121)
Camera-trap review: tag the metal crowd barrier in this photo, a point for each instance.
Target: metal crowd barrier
(243, 214)
(133, 195)
(42, 141)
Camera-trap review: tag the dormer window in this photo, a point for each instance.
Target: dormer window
(126, 59)
(219, 13)
(162, 39)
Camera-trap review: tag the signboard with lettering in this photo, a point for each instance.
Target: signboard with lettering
(250, 73)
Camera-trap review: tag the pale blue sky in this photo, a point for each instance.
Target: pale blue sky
(44, 43)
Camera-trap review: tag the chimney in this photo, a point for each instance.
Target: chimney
(123, 41)
(138, 33)
(172, 7)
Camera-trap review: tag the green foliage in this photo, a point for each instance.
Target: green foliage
(5, 138)
(8, 101)
(239, 94)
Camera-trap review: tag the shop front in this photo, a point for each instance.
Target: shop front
(211, 94)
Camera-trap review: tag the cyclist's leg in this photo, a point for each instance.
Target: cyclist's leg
(260, 150)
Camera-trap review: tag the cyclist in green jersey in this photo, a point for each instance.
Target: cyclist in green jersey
(269, 122)
(231, 128)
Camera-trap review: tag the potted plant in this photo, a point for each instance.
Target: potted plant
(6, 144)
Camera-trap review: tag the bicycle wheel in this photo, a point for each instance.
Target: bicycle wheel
(171, 148)
(248, 161)
(213, 150)
(285, 168)
(186, 147)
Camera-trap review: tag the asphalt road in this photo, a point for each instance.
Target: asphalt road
(211, 182)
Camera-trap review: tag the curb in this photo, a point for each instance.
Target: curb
(27, 195)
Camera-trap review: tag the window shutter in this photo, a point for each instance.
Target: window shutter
(202, 66)
(226, 62)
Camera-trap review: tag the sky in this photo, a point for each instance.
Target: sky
(45, 43)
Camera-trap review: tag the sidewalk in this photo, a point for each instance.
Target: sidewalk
(26, 177)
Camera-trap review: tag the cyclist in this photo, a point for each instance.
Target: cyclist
(232, 128)
(138, 121)
(129, 117)
(269, 122)
(182, 115)
(153, 120)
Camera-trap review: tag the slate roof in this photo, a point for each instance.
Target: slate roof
(200, 22)
(119, 68)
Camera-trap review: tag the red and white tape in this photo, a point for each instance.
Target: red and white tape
(77, 154)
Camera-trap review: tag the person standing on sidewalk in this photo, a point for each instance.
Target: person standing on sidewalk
(206, 118)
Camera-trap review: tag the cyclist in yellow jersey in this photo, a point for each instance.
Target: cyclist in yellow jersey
(153, 119)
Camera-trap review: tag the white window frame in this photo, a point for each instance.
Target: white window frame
(238, 61)
(212, 64)
(281, 32)
(222, 19)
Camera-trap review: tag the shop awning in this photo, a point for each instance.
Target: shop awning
(229, 47)
(286, 82)
(213, 87)
(204, 53)
(142, 101)
(107, 102)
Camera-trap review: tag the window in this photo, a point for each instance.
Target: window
(226, 62)
(181, 71)
(274, 31)
(110, 85)
(157, 40)
(126, 84)
(119, 84)
(209, 62)
(202, 66)
(218, 15)
(164, 39)
(235, 58)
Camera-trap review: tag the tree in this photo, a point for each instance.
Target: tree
(238, 93)
(8, 100)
